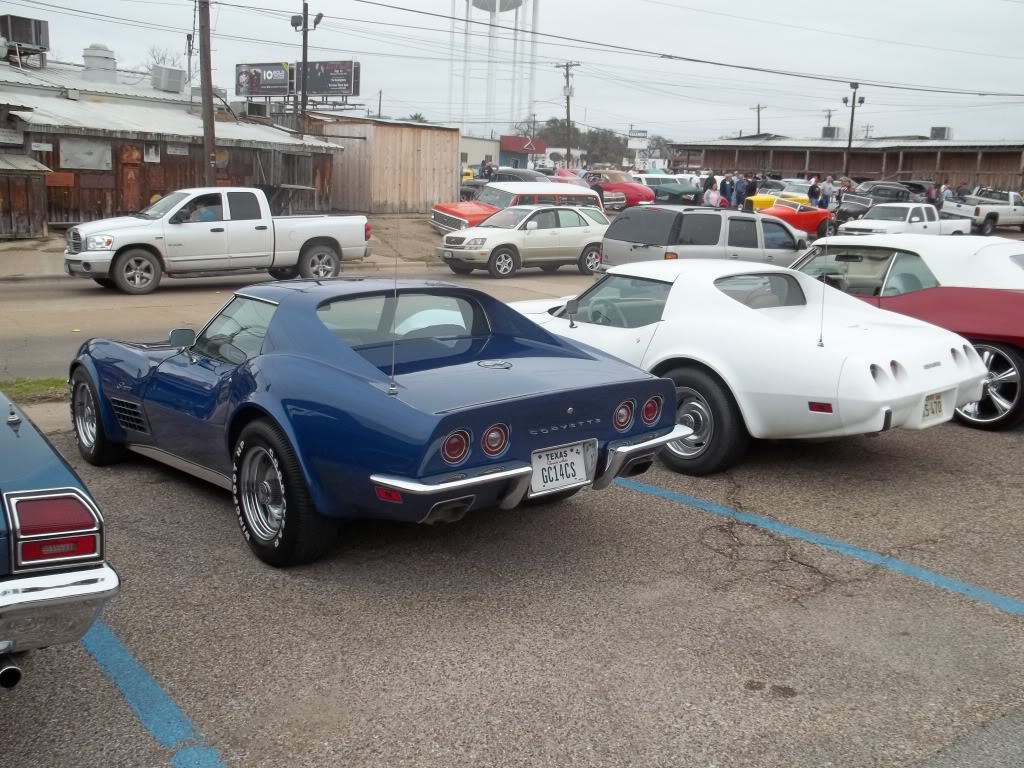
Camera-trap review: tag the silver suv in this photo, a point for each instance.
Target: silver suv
(656, 232)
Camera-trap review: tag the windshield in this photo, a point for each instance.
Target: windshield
(507, 219)
(799, 187)
(857, 200)
(163, 206)
(853, 269)
(618, 177)
(885, 213)
(496, 197)
(623, 302)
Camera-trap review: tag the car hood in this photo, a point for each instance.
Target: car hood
(468, 209)
(106, 226)
(675, 189)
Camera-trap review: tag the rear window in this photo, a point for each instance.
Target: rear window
(700, 229)
(499, 198)
(568, 198)
(763, 291)
(365, 321)
(650, 226)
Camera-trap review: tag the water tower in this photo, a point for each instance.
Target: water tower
(523, 65)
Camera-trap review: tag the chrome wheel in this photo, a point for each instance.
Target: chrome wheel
(504, 263)
(322, 264)
(261, 491)
(1001, 391)
(85, 415)
(591, 260)
(138, 272)
(694, 412)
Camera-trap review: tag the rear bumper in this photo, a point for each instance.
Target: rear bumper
(53, 608)
(508, 487)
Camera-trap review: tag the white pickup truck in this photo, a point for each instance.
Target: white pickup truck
(989, 208)
(897, 218)
(207, 231)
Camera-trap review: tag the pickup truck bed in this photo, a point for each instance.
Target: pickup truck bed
(988, 209)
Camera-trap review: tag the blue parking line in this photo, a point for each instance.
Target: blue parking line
(157, 712)
(1000, 602)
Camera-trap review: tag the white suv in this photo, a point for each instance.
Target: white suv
(545, 236)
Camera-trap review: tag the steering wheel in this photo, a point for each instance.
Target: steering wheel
(834, 279)
(604, 308)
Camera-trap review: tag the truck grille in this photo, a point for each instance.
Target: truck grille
(129, 415)
(74, 240)
(446, 222)
(455, 240)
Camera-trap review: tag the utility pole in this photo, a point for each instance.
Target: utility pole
(569, 66)
(380, 103)
(302, 23)
(206, 81)
(852, 104)
(758, 109)
(828, 116)
(867, 130)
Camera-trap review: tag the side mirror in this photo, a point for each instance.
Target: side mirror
(800, 245)
(177, 218)
(572, 306)
(182, 338)
(531, 225)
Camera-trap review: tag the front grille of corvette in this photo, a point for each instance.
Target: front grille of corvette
(129, 415)
(454, 240)
(445, 221)
(74, 240)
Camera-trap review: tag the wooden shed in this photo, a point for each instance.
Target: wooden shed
(22, 197)
(390, 166)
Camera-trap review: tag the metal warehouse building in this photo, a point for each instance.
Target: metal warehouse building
(990, 163)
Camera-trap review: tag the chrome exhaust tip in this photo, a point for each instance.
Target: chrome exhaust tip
(10, 673)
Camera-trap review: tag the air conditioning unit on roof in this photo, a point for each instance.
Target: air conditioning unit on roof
(30, 35)
(942, 133)
(168, 79)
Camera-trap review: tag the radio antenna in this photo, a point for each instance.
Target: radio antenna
(392, 385)
(824, 285)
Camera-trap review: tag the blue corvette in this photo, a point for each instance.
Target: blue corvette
(317, 401)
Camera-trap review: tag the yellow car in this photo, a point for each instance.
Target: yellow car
(467, 174)
(767, 200)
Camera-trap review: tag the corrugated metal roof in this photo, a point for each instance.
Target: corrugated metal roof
(839, 145)
(21, 164)
(158, 122)
(62, 76)
(347, 118)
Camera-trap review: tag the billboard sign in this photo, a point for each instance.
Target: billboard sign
(262, 79)
(640, 144)
(330, 78)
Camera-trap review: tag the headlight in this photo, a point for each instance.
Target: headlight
(98, 242)
(476, 242)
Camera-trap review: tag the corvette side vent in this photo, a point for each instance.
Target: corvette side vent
(129, 415)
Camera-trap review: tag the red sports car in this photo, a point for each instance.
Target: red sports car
(814, 221)
(619, 181)
(973, 286)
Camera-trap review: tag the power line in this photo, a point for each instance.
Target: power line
(711, 62)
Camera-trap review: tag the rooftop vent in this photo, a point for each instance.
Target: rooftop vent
(168, 79)
(100, 64)
(942, 133)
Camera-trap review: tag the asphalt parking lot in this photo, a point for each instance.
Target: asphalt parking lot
(644, 625)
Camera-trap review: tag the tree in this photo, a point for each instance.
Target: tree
(604, 146)
(416, 117)
(553, 133)
(160, 57)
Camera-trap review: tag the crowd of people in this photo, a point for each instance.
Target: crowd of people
(736, 188)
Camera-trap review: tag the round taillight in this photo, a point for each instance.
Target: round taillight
(623, 417)
(651, 411)
(455, 447)
(495, 440)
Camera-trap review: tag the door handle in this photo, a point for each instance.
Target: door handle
(262, 227)
(734, 256)
(217, 229)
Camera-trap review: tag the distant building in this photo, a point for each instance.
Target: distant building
(998, 163)
(519, 151)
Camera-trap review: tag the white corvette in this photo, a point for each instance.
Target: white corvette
(766, 352)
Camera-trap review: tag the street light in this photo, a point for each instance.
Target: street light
(302, 23)
(852, 104)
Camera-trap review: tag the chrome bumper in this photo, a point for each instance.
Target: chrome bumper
(623, 458)
(53, 608)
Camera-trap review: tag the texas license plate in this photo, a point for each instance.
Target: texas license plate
(932, 407)
(556, 468)
(449, 255)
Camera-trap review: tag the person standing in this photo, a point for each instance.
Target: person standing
(827, 190)
(739, 191)
(930, 195)
(712, 197)
(947, 193)
(728, 189)
(814, 192)
(709, 181)
(963, 190)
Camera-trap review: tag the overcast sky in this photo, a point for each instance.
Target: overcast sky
(909, 41)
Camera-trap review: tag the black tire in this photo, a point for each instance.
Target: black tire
(551, 498)
(503, 263)
(458, 269)
(549, 267)
(96, 448)
(319, 261)
(137, 272)
(1003, 358)
(105, 282)
(283, 273)
(958, 232)
(302, 534)
(708, 403)
(589, 260)
(822, 229)
(987, 227)
(1022, 227)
